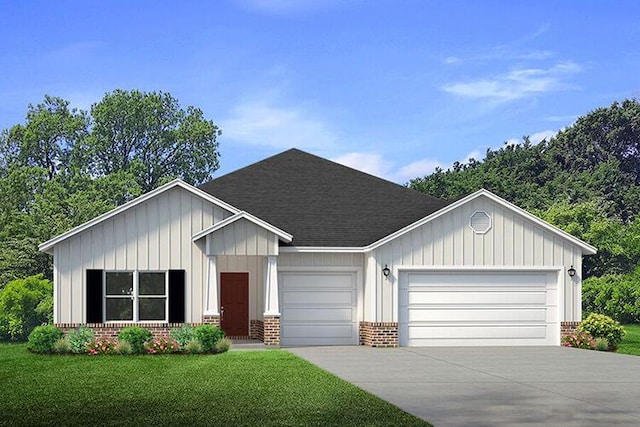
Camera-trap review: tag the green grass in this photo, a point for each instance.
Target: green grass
(261, 388)
(631, 341)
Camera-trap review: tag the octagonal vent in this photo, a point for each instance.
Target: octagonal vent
(480, 222)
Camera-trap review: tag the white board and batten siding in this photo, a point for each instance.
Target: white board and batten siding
(320, 296)
(243, 238)
(440, 307)
(513, 241)
(153, 235)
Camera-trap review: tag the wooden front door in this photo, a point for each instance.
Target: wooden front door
(234, 303)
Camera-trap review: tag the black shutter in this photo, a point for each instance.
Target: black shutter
(94, 296)
(176, 296)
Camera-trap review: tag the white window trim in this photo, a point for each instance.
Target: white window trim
(136, 297)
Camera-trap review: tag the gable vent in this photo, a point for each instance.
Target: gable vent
(480, 222)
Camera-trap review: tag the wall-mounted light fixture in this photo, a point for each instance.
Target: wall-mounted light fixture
(386, 271)
(571, 271)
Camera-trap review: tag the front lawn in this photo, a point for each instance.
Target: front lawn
(631, 340)
(261, 388)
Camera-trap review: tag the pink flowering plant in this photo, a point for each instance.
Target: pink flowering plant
(98, 347)
(579, 339)
(162, 345)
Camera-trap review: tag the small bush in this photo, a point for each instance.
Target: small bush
(602, 344)
(136, 336)
(223, 345)
(601, 326)
(183, 335)
(123, 347)
(162, 346)
(101, 347)
(79, 339)
(579, 339)
(193, 347)
(208, 336)
(43, 338)
(62, 346)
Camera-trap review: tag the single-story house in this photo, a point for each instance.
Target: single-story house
(298, 250)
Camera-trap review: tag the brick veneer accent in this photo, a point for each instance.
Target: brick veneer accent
(111, 330)
(211, 319)
(379, 334)
(256, 330)
(271, 330)
(566, 328)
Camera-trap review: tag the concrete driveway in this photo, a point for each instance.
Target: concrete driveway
(499, 386)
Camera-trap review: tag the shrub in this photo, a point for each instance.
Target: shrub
(43, 338)
(162, 346)
(223, 345)
(79, 339)
(579, 339)
(136, 336)
(101, 347)
(601, 326)
(61, 346)
(208, 335)
(183, 335)
(602, 344)
(193, 347)
(123, 347)
(25, 304)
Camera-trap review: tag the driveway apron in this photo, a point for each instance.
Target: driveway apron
(494, 386)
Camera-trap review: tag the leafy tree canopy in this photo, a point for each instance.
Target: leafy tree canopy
(585, 180)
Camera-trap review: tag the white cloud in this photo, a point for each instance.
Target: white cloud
(537, 137)
(258, 123)
(516, 84)
(371, 163)
(475, 154)
(451, 60)
(375, 164)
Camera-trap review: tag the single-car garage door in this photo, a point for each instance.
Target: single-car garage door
(318, 308)
(478, 308)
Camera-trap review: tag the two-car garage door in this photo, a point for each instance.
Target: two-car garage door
(318, 308)
(478, 308)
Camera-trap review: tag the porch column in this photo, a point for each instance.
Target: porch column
(271, 305)
(212, 305)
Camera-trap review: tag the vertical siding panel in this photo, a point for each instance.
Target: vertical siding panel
(468, 237)
(529, 244)
(538, 244)
(429, 237)
(153, 231)
(164, 231)
(97, 252)
(568, 291)
(438, 244)
(131, 239)
(509, 238)
(196, 250)
(64, 289)
(458, 216)
(243, 228)
(175, 255)
(185, 249)
(518, 241)
(252, 240)
(142, 236)
(75, 288)
(447, 240)
(108, 244)
(119, 226)
(498, 236)
(488, 237)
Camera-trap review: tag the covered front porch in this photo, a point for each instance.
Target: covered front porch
(241, 289)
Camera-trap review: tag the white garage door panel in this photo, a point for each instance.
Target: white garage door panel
(476, 331)
(478, 314)
(318, 308)
(478, 308)
(311, 315)
(479, 296)
(329, 296)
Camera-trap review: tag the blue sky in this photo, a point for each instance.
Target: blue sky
(394, 88)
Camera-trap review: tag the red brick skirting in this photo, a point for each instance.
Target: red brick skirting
(211, 319)
(566, 328)
(271, 330)
(379, 334)
(256, 330)
(111, 330)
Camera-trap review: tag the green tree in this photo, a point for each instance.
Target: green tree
(25, 304)
(149, 135)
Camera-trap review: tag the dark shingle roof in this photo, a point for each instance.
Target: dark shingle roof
(322, 203)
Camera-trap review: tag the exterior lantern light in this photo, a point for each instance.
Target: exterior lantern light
(571, 271)
(386, 271)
